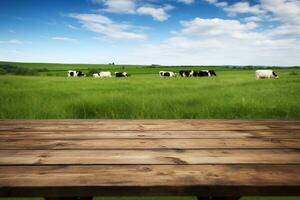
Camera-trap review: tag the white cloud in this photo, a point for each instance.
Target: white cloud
(216, 27)
(212, 1)
(66, 39)
(287, 11)
(104, 25)
(216, 3)
(14, 41)
(218, 42)
(243, 7)
(285, 30)
(159, 14)
(237, 8)
(186, 1)
(253, 19)
(118, 6)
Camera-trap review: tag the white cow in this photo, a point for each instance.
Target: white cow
(96, 75)
(105, 74)
(265, 73)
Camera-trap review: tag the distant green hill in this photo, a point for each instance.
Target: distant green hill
(60, 69)
(61, 66)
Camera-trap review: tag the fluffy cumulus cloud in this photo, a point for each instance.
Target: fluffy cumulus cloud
(267, 33)
(253, 19)
(186, 1)
(223, 41)
(118, 6)
(237, 8)
(159, 14)
(104, 25)
(243, 7)
(216, 27)
(217, 3)
(287, 11)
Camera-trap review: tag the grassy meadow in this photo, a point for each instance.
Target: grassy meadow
(234, 93)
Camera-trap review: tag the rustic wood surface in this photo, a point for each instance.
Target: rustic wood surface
(149, 157)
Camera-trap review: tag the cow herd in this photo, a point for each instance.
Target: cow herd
(107, 74)
(183, 73)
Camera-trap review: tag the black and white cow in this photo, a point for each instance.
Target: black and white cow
(121, 74)
(212, 73)
(167, 74)
(186, 73)
(73, 73)
(205, 73)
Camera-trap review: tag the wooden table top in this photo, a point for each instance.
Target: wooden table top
(149, 157)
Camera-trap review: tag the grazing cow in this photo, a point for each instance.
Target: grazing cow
(121, 74)
(205, 73)
(96, 75)
(105, 74)
(212, 73)
(265, 73)
(195, 73)
(167, 74)
(73, 73)
(188, 73)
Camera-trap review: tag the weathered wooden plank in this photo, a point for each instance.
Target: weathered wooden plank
(149, 179)
(149, 175)
(80, 135)
(175, 157)
(15, 143)
(141, 157)
(95, 125)
(140, 128)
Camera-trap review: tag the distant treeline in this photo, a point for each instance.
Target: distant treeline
(14, 68)
(259, 67)
(11, 69)
(226, 66)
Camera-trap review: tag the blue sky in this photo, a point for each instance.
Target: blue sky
(170, 32)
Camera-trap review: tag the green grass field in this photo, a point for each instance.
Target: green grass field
(234, 93)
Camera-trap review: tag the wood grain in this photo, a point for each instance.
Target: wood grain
(81, 135)
(103, 144)
(150, 175)
(149, 157)
(95, 125)
(200, 180)
(144, 157)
